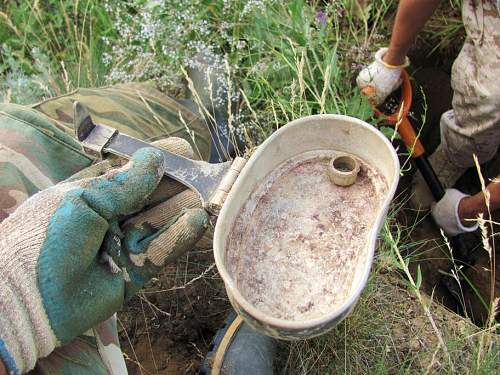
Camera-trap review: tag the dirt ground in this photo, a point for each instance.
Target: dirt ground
(168, 328)
(429, 250)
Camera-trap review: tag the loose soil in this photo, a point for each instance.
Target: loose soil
(296, 244)
(168, 329)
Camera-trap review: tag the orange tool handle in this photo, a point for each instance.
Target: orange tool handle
(409, 137)
(399, 119)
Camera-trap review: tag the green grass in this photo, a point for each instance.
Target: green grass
(445, 33)
(51, 47)
(279, 61)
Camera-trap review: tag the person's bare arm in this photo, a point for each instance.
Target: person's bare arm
(410, 19)
(469, 208)
(3, 370)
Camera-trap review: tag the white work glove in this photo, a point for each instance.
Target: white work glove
(445, 213)
(379, 79)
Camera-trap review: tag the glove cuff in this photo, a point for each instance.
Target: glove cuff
(462, 228)
(445, 213)
(25, 334)
(379, 58)
(25, 331)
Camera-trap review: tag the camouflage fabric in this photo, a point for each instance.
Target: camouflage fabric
(473, 126)
(38, 150)
(137, 109)
(97, 352)
(30, 155)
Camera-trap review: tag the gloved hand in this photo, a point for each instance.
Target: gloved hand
(379, 79)
(445, 213)
(53, 285)
(167, 203)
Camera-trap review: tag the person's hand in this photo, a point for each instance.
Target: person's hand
(379, 79)
(446, 213)
(163, 206)
(53, 282)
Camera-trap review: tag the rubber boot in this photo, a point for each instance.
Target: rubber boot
(237, 349)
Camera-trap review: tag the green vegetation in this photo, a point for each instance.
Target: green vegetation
(276, 61)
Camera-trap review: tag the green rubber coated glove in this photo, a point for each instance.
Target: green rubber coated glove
(165, 207)
(54, 284)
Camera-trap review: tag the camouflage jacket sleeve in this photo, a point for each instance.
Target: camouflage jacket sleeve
(34, 154)
(137, 109)
(37, 144)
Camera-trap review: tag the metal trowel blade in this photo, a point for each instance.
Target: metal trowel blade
(96, 139)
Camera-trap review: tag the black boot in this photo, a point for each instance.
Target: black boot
(237, 349)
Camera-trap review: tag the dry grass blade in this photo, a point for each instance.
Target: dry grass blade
(135, 360)
(191, 135)
(489, 247)
(416, 290)
(149, 338)
(186, 284)
(9, 23)
(203, 110)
